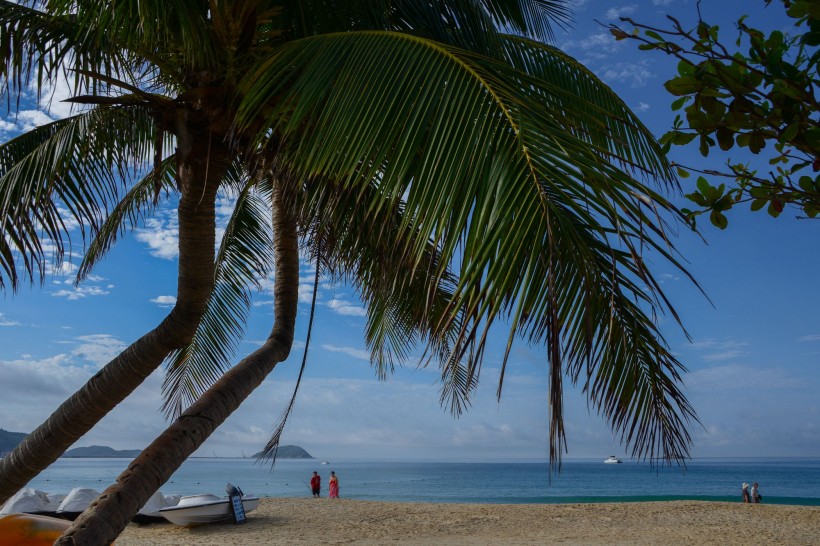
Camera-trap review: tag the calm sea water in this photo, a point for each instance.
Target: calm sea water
(782, 481)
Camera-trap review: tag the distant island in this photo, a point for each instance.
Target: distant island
(289, 452)
(101, 452)
(10, 440)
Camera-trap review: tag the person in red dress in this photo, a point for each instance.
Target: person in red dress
(333, 486)
(316, 484)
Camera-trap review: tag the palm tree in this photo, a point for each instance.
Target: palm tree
(80, 162)
(496, 175)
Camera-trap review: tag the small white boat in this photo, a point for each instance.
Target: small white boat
(204, 508)
(612, 459)
(32, 501)
(75, 503)
(150, 512)
(325, 462)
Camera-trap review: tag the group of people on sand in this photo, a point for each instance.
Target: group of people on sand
(332, 487)
(753, 495)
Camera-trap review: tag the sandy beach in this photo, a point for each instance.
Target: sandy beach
(342, 521)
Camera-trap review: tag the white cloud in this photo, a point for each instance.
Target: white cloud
(720, 350)
(26, 120)
(752, 410)
(614, 13)
(6, 126)
(306, 293)
(661, 2)
(812, 337)
(738, 378)
(161, 234)
(165, 301)
(51, 380)
(599, 44)
(98, 349)
(350, 351)
(65, 269)
(23, 380)
(225, 205)
(643, 107)
(80, 292)
(344, 307)
(70, 222)
(636, 74)
(6, 322)
(481, 434)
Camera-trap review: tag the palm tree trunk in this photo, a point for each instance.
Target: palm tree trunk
(108, 515)
(199, 174)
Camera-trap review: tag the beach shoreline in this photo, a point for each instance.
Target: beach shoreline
(326, 521)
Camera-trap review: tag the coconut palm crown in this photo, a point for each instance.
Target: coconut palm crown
(439, 156)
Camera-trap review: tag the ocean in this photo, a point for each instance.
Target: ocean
(782, 481)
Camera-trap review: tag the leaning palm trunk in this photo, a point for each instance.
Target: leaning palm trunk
(199, 173)
(107, 516)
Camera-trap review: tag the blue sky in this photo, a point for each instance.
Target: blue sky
(753, 358)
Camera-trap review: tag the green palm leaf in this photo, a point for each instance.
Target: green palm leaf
(550, 212)
(244, 259)
(79, 163)
(405, 302)
(135, 205)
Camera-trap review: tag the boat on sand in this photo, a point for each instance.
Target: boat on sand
(188, 510)
(36, 502)
(204, 508)
(32, 501)
(31, 529)
(75, 503)
(150, 512)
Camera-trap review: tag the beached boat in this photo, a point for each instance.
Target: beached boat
(150, 512)
(36, 502)
(31, 529)
(612, 459)
(204, 508)
(75, 503)
(32, 501)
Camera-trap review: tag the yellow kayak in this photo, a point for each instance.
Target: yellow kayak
(31, 530)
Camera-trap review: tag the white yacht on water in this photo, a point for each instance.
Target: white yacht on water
(612, 459)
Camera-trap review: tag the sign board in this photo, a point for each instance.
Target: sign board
(237, 508)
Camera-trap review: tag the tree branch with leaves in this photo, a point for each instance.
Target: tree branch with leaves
(763, 91)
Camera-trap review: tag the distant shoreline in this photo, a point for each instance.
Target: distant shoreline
(192, 457)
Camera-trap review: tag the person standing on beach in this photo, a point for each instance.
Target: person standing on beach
(316, 484)
(333, 486)
(755, 493)
(745, 493)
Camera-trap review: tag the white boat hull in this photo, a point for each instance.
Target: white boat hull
(201, 509)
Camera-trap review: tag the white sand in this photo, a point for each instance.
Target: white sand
(342, 521)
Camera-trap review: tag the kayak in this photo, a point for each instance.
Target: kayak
(31, 529)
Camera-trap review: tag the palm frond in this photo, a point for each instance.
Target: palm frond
(272, 447)
(534, 18)
(32, 43)
(79, 163)
(404, 300)
(132, 27)
(243, 260)
(45, 41)
(549, 209)
(135, 205)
